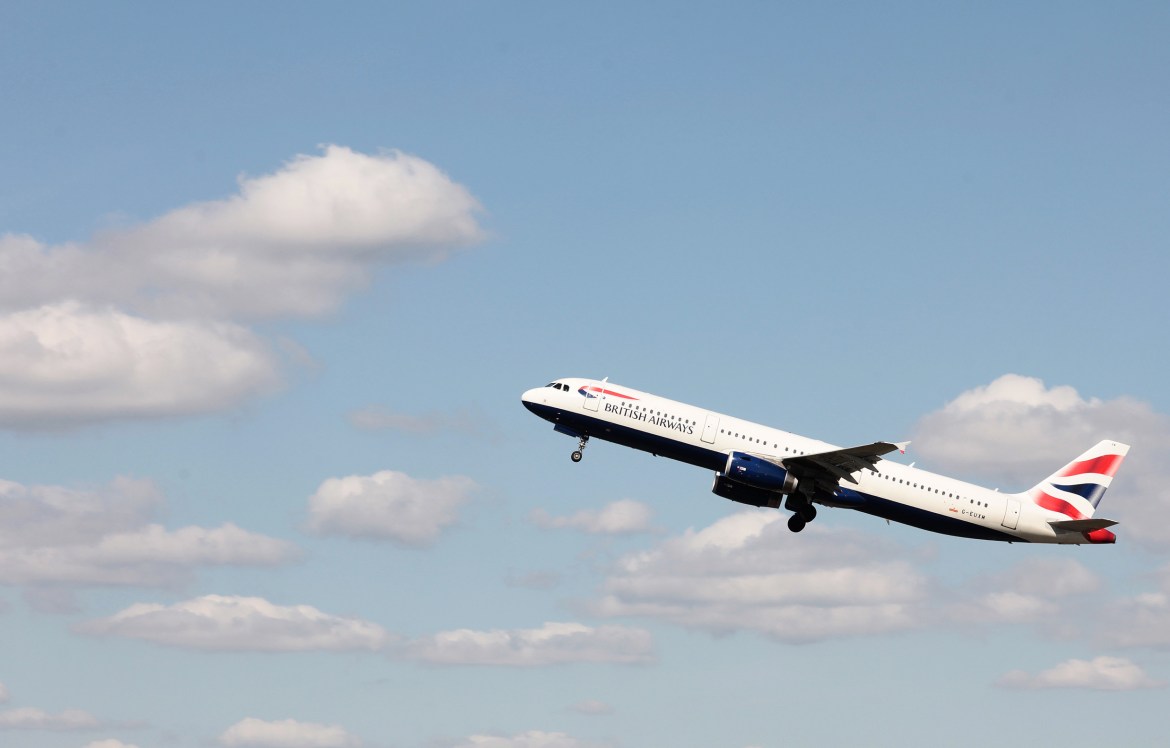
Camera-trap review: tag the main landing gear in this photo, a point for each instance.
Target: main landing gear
(577, 455)
(802, 513)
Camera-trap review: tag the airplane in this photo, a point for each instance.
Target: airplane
(762, 466)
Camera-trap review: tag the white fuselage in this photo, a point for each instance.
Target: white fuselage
(591, 408)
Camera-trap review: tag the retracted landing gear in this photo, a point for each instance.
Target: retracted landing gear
(577, 455)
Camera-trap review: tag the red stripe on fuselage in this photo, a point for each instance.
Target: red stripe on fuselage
(1054, 504)
(610, 392)
(1103, 465)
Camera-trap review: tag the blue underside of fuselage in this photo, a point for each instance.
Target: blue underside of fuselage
(908, 515)
(711, 459)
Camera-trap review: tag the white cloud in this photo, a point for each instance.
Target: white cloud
(65, 364)
(135, 322)
(388, 505)
(592, 707)
(290, 243)
(747, 572)
(109, 743)
(1100, 673)
(1015, 431)
(28, 718)
(1050, 577)
(288, 733)
(1140, 620)
(53, 536)
(1036, 590)
(551, 644)
(226, 623)
(616, 518)
(530, 739)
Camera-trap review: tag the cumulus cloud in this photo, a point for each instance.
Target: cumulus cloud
(54, 537)
(747, 572)
(28, 718)
(744, 572)
(288, 733)
(1050, 578)
(388, 505)
(1100, 674)
(616, 518)
(290, 243)
(551, 644)
(228, 623)
(1016, 430)
(1140, 620)
(530, 739)
(1036, 590)
(141, 321)
(64, 364)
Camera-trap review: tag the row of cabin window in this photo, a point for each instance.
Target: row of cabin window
(660, 413)
(950, 495)
(757, 441)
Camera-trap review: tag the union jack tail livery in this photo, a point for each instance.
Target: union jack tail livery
(1076, 489)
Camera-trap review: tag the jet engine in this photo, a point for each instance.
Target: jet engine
(743, 493)
(752, 480)
(758, 473)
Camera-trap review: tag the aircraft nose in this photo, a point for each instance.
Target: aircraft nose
(531, 398)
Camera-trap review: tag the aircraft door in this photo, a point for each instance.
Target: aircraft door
(710, 428)
(592, 397)
(1012, 516)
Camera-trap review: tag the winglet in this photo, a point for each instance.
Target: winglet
(902, 446)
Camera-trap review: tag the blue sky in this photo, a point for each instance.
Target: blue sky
(273, 278)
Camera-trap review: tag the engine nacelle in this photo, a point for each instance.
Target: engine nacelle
(743, 493)
(758, 473)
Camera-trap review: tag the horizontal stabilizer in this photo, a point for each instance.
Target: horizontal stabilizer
(1082, 525)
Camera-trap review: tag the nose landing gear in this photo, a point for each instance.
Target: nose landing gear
(578, 454)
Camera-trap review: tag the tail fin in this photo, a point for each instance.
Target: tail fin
(1076, 489)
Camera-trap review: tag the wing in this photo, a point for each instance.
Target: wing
(820, 474)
